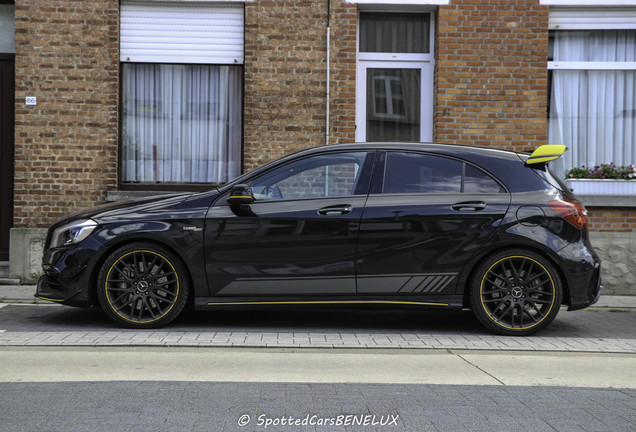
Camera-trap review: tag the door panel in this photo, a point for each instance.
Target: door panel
(423, 224)
(7, 101)
(298, 237)
(394, 76)
(283, 248)
(421, 247)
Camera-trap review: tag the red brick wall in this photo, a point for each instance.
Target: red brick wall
(607, 219)
(285, 76)
(491, 73)
(344, 28)
(491, 89)
(66, 146)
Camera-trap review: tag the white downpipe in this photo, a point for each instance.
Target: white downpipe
(328, 94)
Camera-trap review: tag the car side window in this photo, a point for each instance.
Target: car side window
(318, 176)
(420, 173)
(425, 173)
(477, 181)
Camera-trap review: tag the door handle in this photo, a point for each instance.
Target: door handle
(469, 206)
(335, 210)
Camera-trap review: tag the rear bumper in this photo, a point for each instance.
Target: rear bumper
(581, 268)
(587, 296)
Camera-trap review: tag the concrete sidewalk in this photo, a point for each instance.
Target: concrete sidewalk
(397, 366)
(24, 294)
(18, 294)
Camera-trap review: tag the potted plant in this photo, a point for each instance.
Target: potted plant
(604, 179)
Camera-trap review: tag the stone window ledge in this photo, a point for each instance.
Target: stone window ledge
(608, 200)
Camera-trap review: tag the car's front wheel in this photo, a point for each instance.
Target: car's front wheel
(142, 285)
(516, 292)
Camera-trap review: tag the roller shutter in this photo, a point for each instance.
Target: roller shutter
(606, 18)
(180, 32)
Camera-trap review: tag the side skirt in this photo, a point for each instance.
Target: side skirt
(433, 302)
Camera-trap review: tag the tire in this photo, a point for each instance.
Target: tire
(143, 285)
(516, 292)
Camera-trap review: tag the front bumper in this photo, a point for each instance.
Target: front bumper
(50, 289)
(67, 278)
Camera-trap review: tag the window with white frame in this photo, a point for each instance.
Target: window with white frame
(182, 86)
(592, 74)
(394, 76)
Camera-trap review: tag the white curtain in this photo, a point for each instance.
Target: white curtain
(394, 32)
(181, 123)
(593, 112)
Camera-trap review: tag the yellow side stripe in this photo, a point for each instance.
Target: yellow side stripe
(50, 299)
(327, 302)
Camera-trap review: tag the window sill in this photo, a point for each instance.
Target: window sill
(607, 201)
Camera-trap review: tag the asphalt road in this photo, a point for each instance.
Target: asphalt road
(66, 369)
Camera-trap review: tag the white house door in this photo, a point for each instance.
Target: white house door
(394, 99)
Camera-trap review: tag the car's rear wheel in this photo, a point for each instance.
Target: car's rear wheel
(143, 285)
(516, 292)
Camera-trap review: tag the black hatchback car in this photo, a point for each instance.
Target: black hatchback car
(427, 225)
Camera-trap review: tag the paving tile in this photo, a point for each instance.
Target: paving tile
(596, 330)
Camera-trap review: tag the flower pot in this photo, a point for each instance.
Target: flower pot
(602, 187)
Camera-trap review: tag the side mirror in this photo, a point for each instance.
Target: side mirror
(241, 194)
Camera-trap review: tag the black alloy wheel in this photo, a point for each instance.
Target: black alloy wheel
(143, 285)
(516, 292)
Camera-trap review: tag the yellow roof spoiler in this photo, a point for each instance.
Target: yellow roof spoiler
(546, 153)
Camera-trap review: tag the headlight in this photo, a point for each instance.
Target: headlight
(73, 232)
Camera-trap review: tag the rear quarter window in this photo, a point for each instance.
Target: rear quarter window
(477, 181)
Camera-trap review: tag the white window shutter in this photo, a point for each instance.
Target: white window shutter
(181, 32)
(607, 18)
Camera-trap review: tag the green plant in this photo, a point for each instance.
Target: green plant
(604, 171)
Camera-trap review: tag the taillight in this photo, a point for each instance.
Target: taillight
(572, 211)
